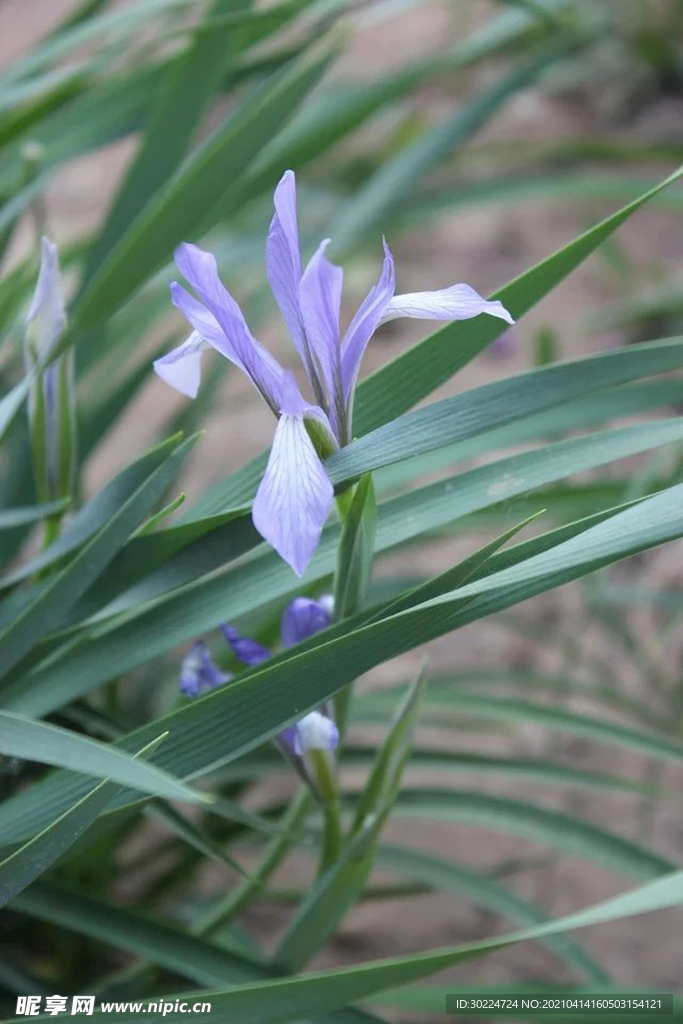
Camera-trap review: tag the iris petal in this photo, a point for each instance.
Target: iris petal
(283, 260)
(459, 302)
(365, 323)
(235, 341)
(181, 367)
(295, 494)
(46, 317)
(321, 293)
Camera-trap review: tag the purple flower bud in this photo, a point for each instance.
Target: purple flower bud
(246, 650)
(46, 317)
(304, 617)
(315, 731)
(199, 672)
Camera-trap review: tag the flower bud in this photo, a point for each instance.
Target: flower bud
(304, 617)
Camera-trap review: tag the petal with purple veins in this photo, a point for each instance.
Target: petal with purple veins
(235, 341)
(181, 367)
(365, 323)
(295, 494)
(321, 292)
(459, 302)
(283, 259)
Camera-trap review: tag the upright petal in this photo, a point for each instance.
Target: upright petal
(295, 494)
(459, 302)
(304, 617)
(46, 317)
(365, 323)
(320, 293)
(181, 367)
(235, 341)
(283, 270)
(283, 259)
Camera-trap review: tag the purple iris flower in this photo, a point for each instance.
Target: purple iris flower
(198, 671)
(295, 495)
(302, 618)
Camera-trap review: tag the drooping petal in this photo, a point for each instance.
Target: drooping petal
(295, 494)
(459, 302)
(198, 316)
(181, 367)
(304, 617)
(236, 341)
(321, 292)
(246, 650)
(46, 317)
(365, 323)
(315, 731)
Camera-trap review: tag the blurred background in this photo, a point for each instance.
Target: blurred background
(479, 137)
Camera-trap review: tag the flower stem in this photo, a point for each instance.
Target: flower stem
(326, 782)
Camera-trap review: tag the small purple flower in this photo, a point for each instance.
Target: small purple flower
(198, 671)
(295, 495)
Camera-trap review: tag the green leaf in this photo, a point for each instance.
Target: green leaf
(177, 207)
(452, 578)
(511, 709)
(356, 550)
(499, 403)
(240, 715)
(291, 999)
(335, 113)
(417, 372)
(547, 773)
(49, 608)
(338, 888)
(169, 947)
(384, 780)
(174, 118)
(50, 744)
(147, 632)
(11, 403)
(191, 834)
(96, 512)
(327, 901)
(484, 891)
(572, 835)
(396, 176)
(31, 860)
(117, 926)
(11, 517)
(474, 421)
